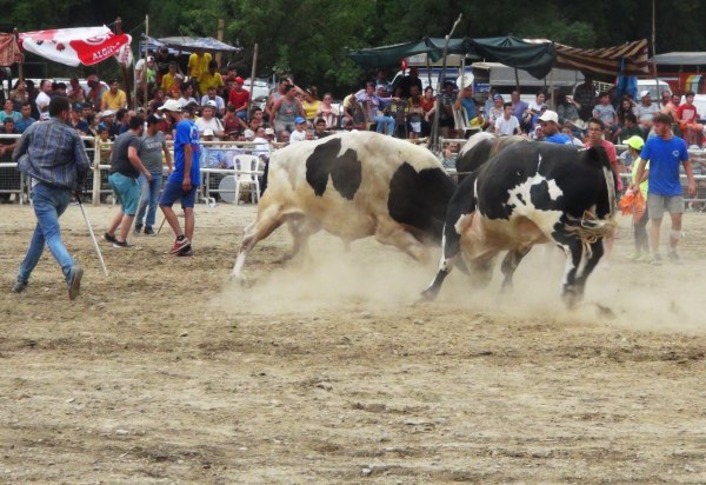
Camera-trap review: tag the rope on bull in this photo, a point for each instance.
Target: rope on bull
(589, 229)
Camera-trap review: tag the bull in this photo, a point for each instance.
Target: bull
(353, 185)
(531, 193)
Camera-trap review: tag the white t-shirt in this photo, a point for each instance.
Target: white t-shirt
(507, 127)
(202, 124)
(297, 136)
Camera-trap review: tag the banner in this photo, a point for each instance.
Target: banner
(87, 46)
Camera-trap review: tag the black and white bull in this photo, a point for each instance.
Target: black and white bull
(354, 185)
(480, 148)
(531, 193)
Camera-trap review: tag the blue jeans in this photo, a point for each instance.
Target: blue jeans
(148, 199)
(49, 203)
(381, 121)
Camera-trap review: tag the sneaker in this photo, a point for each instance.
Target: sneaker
(645, 258)
(138, 229)
(656, 260)
(673, 256)
(180, 244)
(149, 231)
(121, 244)
(19, 286)
(75, 283)
(109, 238)
(186, 252)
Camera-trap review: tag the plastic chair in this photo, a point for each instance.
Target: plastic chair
(246, 176)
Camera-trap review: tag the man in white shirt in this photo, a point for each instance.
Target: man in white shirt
(507, 124)
(211, 96)
(43, 99)
(209, 122)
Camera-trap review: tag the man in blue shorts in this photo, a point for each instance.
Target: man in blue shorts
(184, 182)
(125, 167)
(664, 153)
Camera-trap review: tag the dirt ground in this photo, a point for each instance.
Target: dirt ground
(327, 372)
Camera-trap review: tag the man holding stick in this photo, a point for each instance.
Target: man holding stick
(53, 155)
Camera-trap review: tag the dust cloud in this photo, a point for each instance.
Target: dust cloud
(370, 276)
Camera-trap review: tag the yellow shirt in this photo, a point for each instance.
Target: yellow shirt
(114, 101)
(198, 65)
(167, 82)
(210, 81)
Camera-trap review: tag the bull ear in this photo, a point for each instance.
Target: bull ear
(595, 156)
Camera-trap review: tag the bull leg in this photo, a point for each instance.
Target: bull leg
(301, 228)
(578, 267)
(267, 221)
(451, 248)
(398, 236)
(510, 264)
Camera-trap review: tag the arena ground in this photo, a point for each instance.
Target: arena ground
(164, 372)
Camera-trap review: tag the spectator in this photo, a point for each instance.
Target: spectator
(645, 111)
(595, 138)
(274, 97)
(630, 129)
(496, 112)
(170, 77)
(43, 99)
(125, 167)
(213, 97)
(198, 65)
(428, 104)
(328, 112)
(519, 107)
(414, 115)
(58, 166)
(534, 109)
(354, 113)
(8, 111)
(152, 147)
(568, 130)
(58, 89)
(187, 95)
(75, 92)
(405, 84)
(239, 98)
(209, 122)
(115, 98)
(507, 124)
(77, 121)
(549, 121)
(320, 130)
(163, 60)
(7, 145)
(26, 119)
(568, 112)
(605, 112)
(231, 123)
(664, 152)
(446, 117)
(19, 94)
(687, 117)
(299, 133)
(285, 110)
(184, 181)
(373, 104)
(95, 92)
(311, 103)
(466, 104)
(210, 78)
(585, 98)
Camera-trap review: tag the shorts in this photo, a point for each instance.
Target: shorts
(127, 191)
(416, 126)
(657, 204)
(173, 191)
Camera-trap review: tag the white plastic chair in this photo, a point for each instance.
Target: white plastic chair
(246, 176)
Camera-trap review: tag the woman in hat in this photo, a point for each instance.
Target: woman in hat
(642, 247)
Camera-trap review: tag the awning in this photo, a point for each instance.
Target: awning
(198, 44)
(84, 45)
(391, 55)
(606, 62)
(681, 59)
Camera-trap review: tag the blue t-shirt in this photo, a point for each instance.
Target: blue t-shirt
(470, 106)
(664, 157)
(186, 134)
(559, 139)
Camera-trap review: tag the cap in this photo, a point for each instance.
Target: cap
(78, 106)
(171, 105)
(644, 93)
(153, 119)
(239, 80)
(269, 131)
(106, 113)
(150, 58)
(498, 96)
(249, 134)
(211, 103)
(208, 132)
(299, 120)
(635, 142)
(549, 115)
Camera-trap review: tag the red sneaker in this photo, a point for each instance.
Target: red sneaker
(180, 244)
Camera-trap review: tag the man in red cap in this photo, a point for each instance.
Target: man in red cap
(239, 97)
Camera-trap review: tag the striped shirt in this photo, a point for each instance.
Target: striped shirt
(52, 152)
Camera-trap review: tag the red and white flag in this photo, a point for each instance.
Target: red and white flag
(87, 46)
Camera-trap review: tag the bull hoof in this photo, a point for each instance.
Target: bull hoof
(427, 295)
(571, 299)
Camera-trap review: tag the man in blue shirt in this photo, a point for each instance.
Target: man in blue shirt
(54, 156)
(26, 119)
(185, 180)
(549, 121)
(665, 152)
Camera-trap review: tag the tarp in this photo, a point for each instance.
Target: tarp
(86, 45)
(534, 56)
(198, 44)
(681, 59)
(153, 45)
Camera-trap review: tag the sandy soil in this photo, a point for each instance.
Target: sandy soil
(164, 372)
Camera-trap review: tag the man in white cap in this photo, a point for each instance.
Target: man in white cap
(645, 111)
(184, 181)
(549, 121)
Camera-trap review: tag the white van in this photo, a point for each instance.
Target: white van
(655, 88)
